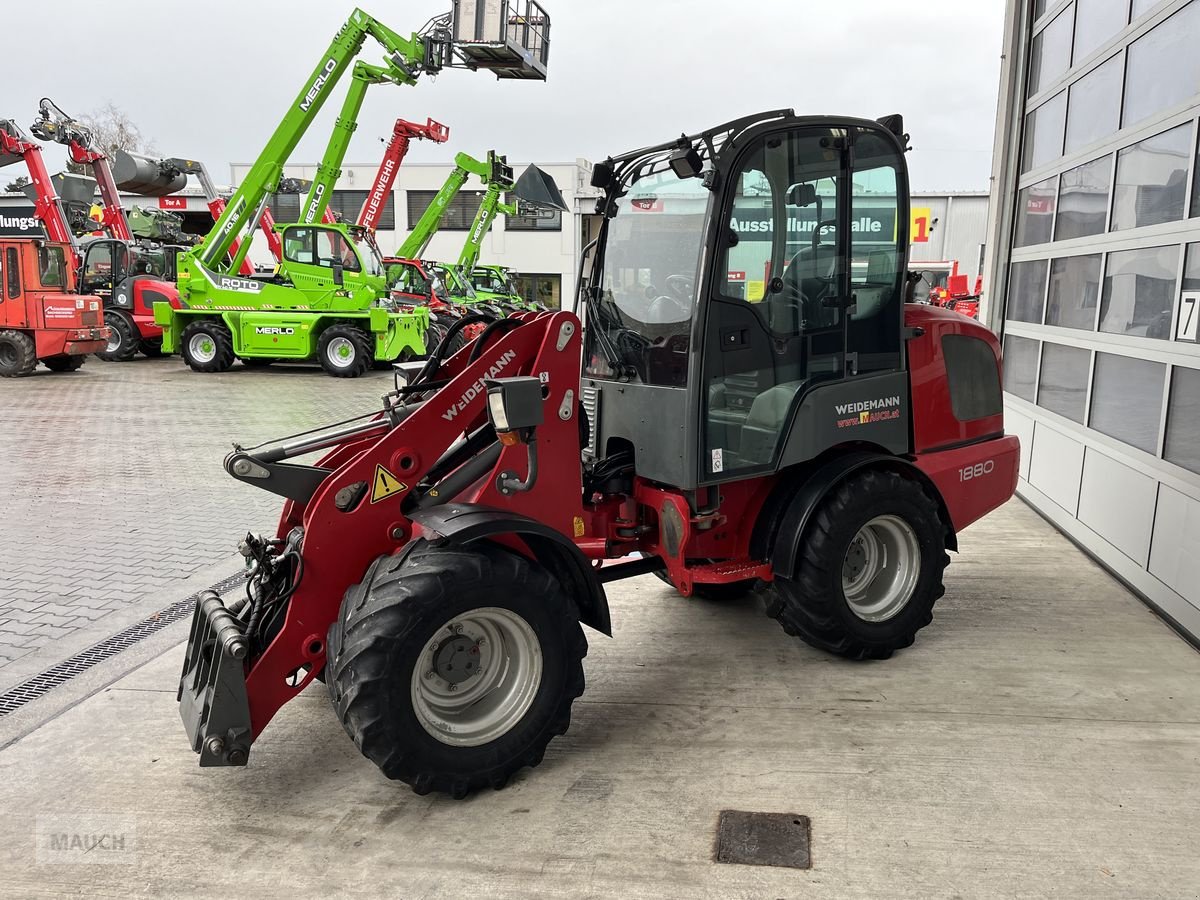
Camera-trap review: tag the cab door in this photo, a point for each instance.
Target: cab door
(320, 262)
(13, 313)
(805, 302)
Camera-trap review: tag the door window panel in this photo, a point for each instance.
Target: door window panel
(1051, 52)
(1139, 292)
(1020, 366)
(1074, 291)
(1127, 399)
(1183, 419)
(14, 274)
(1164, 67)
(1035, 213)
(1027, 291)
(1083, 200)
(1094, 108)
(1044, 133)
(781, 330)
(1152, 180)
(1062, 387)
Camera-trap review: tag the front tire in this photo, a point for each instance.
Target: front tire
(152, 348)
(63, 362)
(870, 569)
(207, 346)
(123, 339)
(452, 668)
(18, 354)
(345, 351)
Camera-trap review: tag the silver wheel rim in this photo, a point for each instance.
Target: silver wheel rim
(881, 567)
(114, 340)
(341, 352)
(202, 348)
(477, 677)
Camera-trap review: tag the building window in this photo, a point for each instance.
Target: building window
(1183, 419)
(1027, 291)
(1020, 366)
(1141, 7)
(1127, 398)
(547, 220)
(1051, 52)
(1035, 213)
(1152, 180)
(1044, 133)
(1139, 292)
(1074, 290)
(348, 205)
(1094, 108)
(1062, 387)
(286, 208)
(1164, 67)
(1083, 200)
(1096, 21)
(458, 215)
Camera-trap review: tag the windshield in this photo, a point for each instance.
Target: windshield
(643, 302)
(457, 283)
(484, 280)
(368, 252)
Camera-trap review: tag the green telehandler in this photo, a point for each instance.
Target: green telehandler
(329, 296)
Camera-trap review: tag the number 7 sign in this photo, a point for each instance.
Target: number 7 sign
(1189, 313)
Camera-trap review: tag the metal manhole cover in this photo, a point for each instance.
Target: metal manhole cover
(763, 839)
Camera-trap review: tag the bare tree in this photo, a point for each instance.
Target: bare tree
(113, 130)
(14, 186)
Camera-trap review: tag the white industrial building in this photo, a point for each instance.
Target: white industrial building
(1096, 226)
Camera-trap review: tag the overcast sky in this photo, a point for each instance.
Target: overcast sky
(211, 79)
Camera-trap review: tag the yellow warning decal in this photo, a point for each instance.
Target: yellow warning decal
(386, 485)
(577, 526)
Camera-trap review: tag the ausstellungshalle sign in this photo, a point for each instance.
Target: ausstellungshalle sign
(867, 225)
(20, 221)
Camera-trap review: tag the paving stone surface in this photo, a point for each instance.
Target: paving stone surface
(113, 491)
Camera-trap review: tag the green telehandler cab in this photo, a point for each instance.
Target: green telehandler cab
(329, 297)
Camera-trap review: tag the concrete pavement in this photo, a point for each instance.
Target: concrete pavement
(1042, 738)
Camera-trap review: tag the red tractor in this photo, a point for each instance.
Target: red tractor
(823, 444)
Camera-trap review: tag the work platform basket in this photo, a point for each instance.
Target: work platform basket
(508, 37)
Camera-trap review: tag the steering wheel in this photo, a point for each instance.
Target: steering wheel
(665, 310)
(682, 286)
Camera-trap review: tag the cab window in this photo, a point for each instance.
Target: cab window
(13, 279)
(320, 247)
(52, 266)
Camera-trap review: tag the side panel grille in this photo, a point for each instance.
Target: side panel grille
(589, 395)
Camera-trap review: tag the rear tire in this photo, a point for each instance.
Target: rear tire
(207, 346)
(345, 351)
(18, 354)
(123, 337)
(63, 363)
(870, 569)
(152, 348)
(393, 653)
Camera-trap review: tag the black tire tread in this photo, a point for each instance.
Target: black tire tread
(364, 346)
(394, 596)
(130, 339)
(63, 362)
(808, 610)
(26, 353)
(220, 334)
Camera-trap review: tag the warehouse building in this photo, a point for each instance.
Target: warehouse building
(1096, 273)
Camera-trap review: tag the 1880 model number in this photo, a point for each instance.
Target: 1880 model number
(977, 471)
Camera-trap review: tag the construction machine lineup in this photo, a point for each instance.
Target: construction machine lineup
(822, 446)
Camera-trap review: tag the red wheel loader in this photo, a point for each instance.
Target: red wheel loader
(822, 440)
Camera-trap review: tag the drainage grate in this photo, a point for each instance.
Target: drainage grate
(764, 839)
(44, 682)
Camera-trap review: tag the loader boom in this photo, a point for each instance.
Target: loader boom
(403, 134)
(494, 170)
(48, 207)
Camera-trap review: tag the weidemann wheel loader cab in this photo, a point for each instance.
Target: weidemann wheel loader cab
(752, 313)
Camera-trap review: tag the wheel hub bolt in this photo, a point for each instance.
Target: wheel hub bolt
(457, 629)
(453, 687)
(430, 674)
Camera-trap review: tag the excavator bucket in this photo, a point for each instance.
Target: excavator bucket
(537, 190)
(508, 37)
(148, 177)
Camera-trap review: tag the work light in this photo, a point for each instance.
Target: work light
(514, 407)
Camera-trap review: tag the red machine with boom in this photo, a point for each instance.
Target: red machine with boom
(824, 445)
(42, 317)
(403, 134)
(131, 275)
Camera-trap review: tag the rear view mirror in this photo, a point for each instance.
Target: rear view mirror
(802, 195)
(602, 175)
(339, 273)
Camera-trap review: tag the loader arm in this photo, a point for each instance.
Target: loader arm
(48, 207)
(427, 226)
(407, 58)
(403, 133)
(484, 218)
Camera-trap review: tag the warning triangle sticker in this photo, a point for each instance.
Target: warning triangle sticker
(386, 485)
